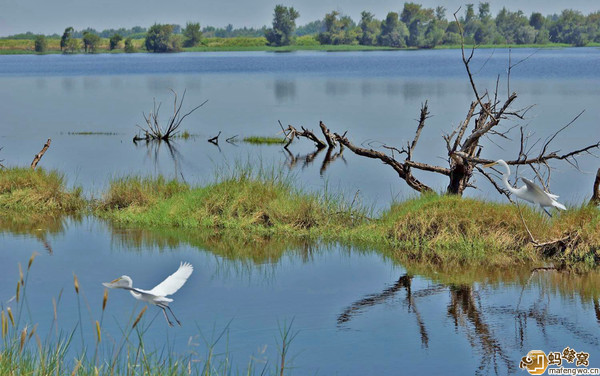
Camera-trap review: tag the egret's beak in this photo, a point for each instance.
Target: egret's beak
(111, 284)
(490, 164)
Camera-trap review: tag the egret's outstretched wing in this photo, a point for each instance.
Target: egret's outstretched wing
(173, 282)
(535, 189)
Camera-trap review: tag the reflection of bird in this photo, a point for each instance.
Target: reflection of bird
(158, 295)
(529, 192)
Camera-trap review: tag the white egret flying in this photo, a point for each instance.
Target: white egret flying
(158, 295)
(529, 192)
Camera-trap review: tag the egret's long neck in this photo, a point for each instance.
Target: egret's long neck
(135, 294)
(505, 176)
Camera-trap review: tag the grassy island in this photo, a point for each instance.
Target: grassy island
(438, 229)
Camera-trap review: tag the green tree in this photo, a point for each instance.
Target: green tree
(570, 27)
(440, 13)
(72, 45)
(393, 31)
(129, 47)
(192, 34)
(536, 20)
(370, 29)
(434, 34)
(484, 12)
(339, 30)
(90, 42)
(284, 25)
(114, 41)
(507, 24)
(469, 14)
(41, 44)
(484, 29)
(66, 37)
(418, 20)
(593, 22)
(160, 38)
(543, 36)
(525, 34)
(314, 27)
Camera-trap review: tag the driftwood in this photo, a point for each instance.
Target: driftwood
(215, 140)
(595, 200)
(39, 155)
(291, 132)
(329, 137)
(231, 140)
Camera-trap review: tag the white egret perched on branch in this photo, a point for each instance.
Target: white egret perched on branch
(529, 192)
(158, 295)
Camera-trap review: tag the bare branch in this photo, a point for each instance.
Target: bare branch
(39, 155)
(397, 166)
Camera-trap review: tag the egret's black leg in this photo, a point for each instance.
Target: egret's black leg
(547, 212)
(174, 315)
(166, 317)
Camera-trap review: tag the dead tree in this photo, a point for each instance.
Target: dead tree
(154, 130)
(39, 155)
(595, 200)
(464, 144)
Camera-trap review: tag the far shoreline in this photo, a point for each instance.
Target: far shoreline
(294, 48)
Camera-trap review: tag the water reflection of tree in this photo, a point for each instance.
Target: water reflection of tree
(307, 159)
(153, 151)
(467, 313)
(404, 282)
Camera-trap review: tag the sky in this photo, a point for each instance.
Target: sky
(53, 16)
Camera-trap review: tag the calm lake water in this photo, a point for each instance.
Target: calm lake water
(355, 311)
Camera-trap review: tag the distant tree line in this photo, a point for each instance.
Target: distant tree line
(414, 26)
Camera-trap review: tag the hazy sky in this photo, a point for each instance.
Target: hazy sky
(46, 16)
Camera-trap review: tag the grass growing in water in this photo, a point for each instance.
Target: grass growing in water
(28, 191)
(264, 140)
(265, 203)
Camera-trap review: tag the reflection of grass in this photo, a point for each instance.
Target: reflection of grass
(231, 245)
(23, 350)
(264, 140)
(26, 191)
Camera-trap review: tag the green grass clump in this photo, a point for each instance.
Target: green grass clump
(444, 228)
(264, 203)
(260, 140)
(37, 191)
(136, 192)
